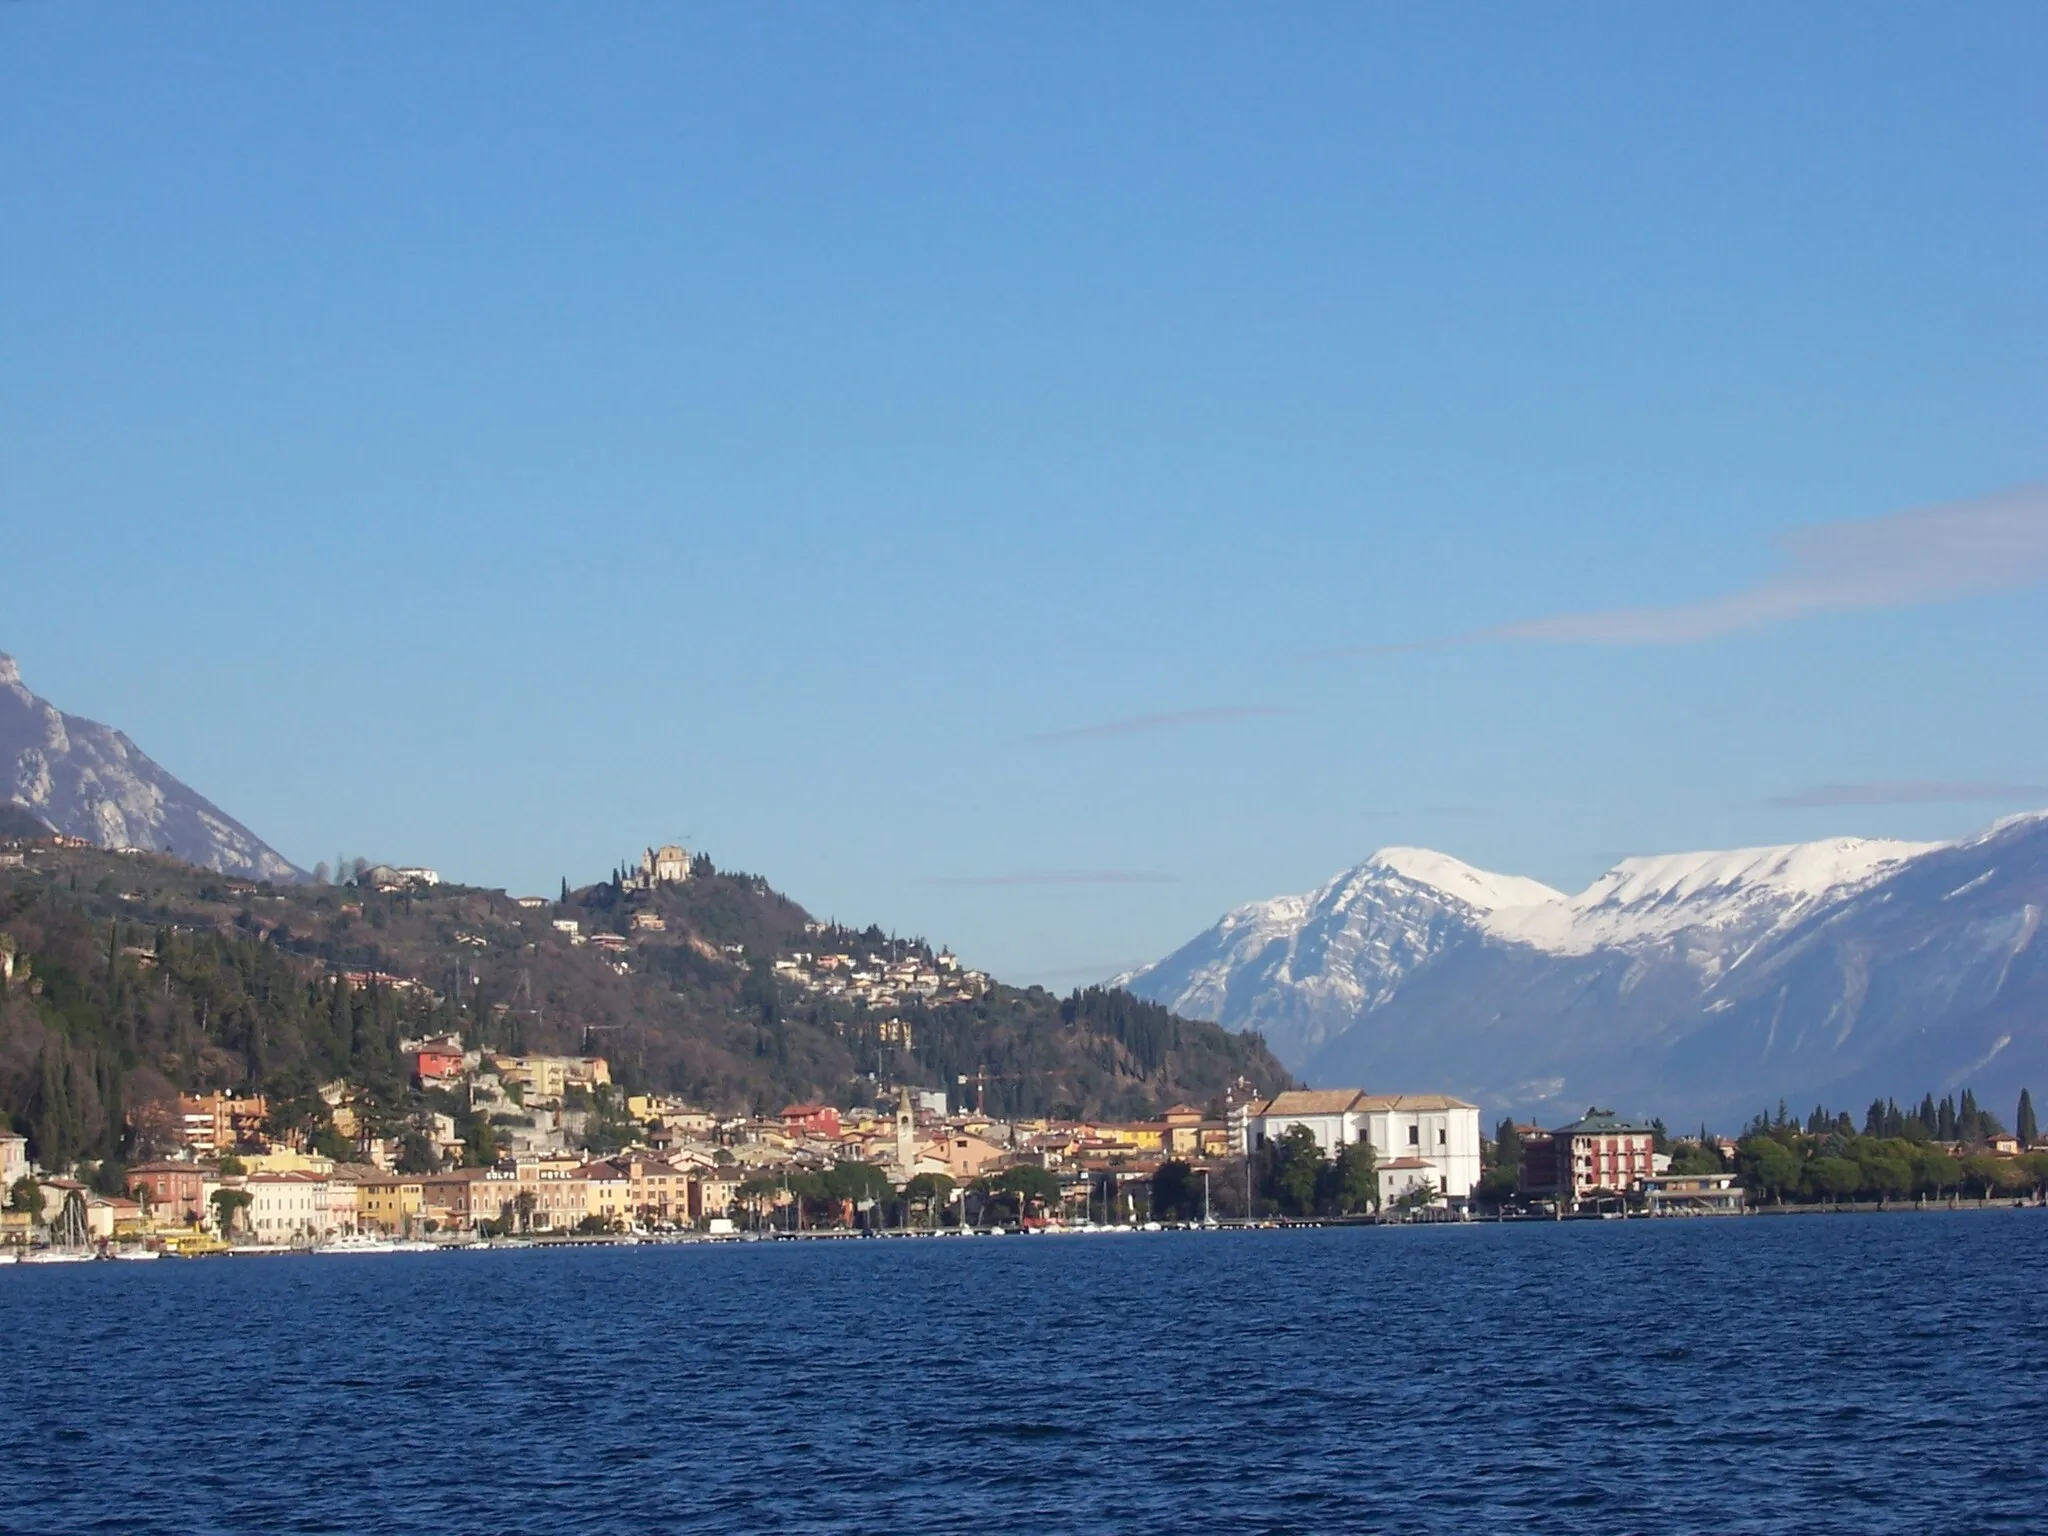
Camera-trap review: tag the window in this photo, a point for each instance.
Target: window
(1440, 1136)
(1414, 1135)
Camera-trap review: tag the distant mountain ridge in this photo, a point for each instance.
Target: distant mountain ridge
(1706, 984)
(88, 780)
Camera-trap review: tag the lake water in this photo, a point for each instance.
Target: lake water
(1853, 1374)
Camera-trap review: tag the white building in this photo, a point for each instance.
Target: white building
(1432, 1137)
(667, 865)
(13, 1160)
(288, 1206)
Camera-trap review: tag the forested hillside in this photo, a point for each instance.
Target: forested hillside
(138, 976)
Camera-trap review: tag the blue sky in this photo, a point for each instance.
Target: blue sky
(1034, 477)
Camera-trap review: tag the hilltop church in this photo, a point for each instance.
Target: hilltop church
(666, 865)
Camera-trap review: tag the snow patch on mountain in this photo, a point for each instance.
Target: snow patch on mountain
(1477, 888)
(1656, 899)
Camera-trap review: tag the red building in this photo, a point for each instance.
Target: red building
(1598, 1154)
(172, 1191)
(812, 1120)
(437, 1062)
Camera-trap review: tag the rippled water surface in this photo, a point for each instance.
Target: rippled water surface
(1866, 1374)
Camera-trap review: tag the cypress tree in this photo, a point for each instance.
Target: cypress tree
(107, 1079)
(341, 1027)
(2024, 1126)
(1945, 1119)
(362, 1029)
(54, 1122)
(1507, 1147)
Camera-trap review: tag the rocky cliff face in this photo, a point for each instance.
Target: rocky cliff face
(87, 780)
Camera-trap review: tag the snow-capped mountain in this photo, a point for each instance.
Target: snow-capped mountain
(1689, 984)
(1301, 968)
(87, 780)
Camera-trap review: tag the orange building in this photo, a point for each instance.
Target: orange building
(220, 1122)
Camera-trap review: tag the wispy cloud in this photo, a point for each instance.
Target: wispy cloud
(1065, 877)
(1993, 543)
(1139, 725)
(1910, 792)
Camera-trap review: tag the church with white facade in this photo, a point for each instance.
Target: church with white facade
(1418, 1139)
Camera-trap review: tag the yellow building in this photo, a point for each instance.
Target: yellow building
(390, 1202)
(712, 1194)
(1140, 1136)
(608, 1192)
(285, 1160)
(546, 1078)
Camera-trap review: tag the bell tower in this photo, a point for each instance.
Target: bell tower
(906, 1132)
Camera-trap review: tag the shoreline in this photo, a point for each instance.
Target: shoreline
(694, 1240)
